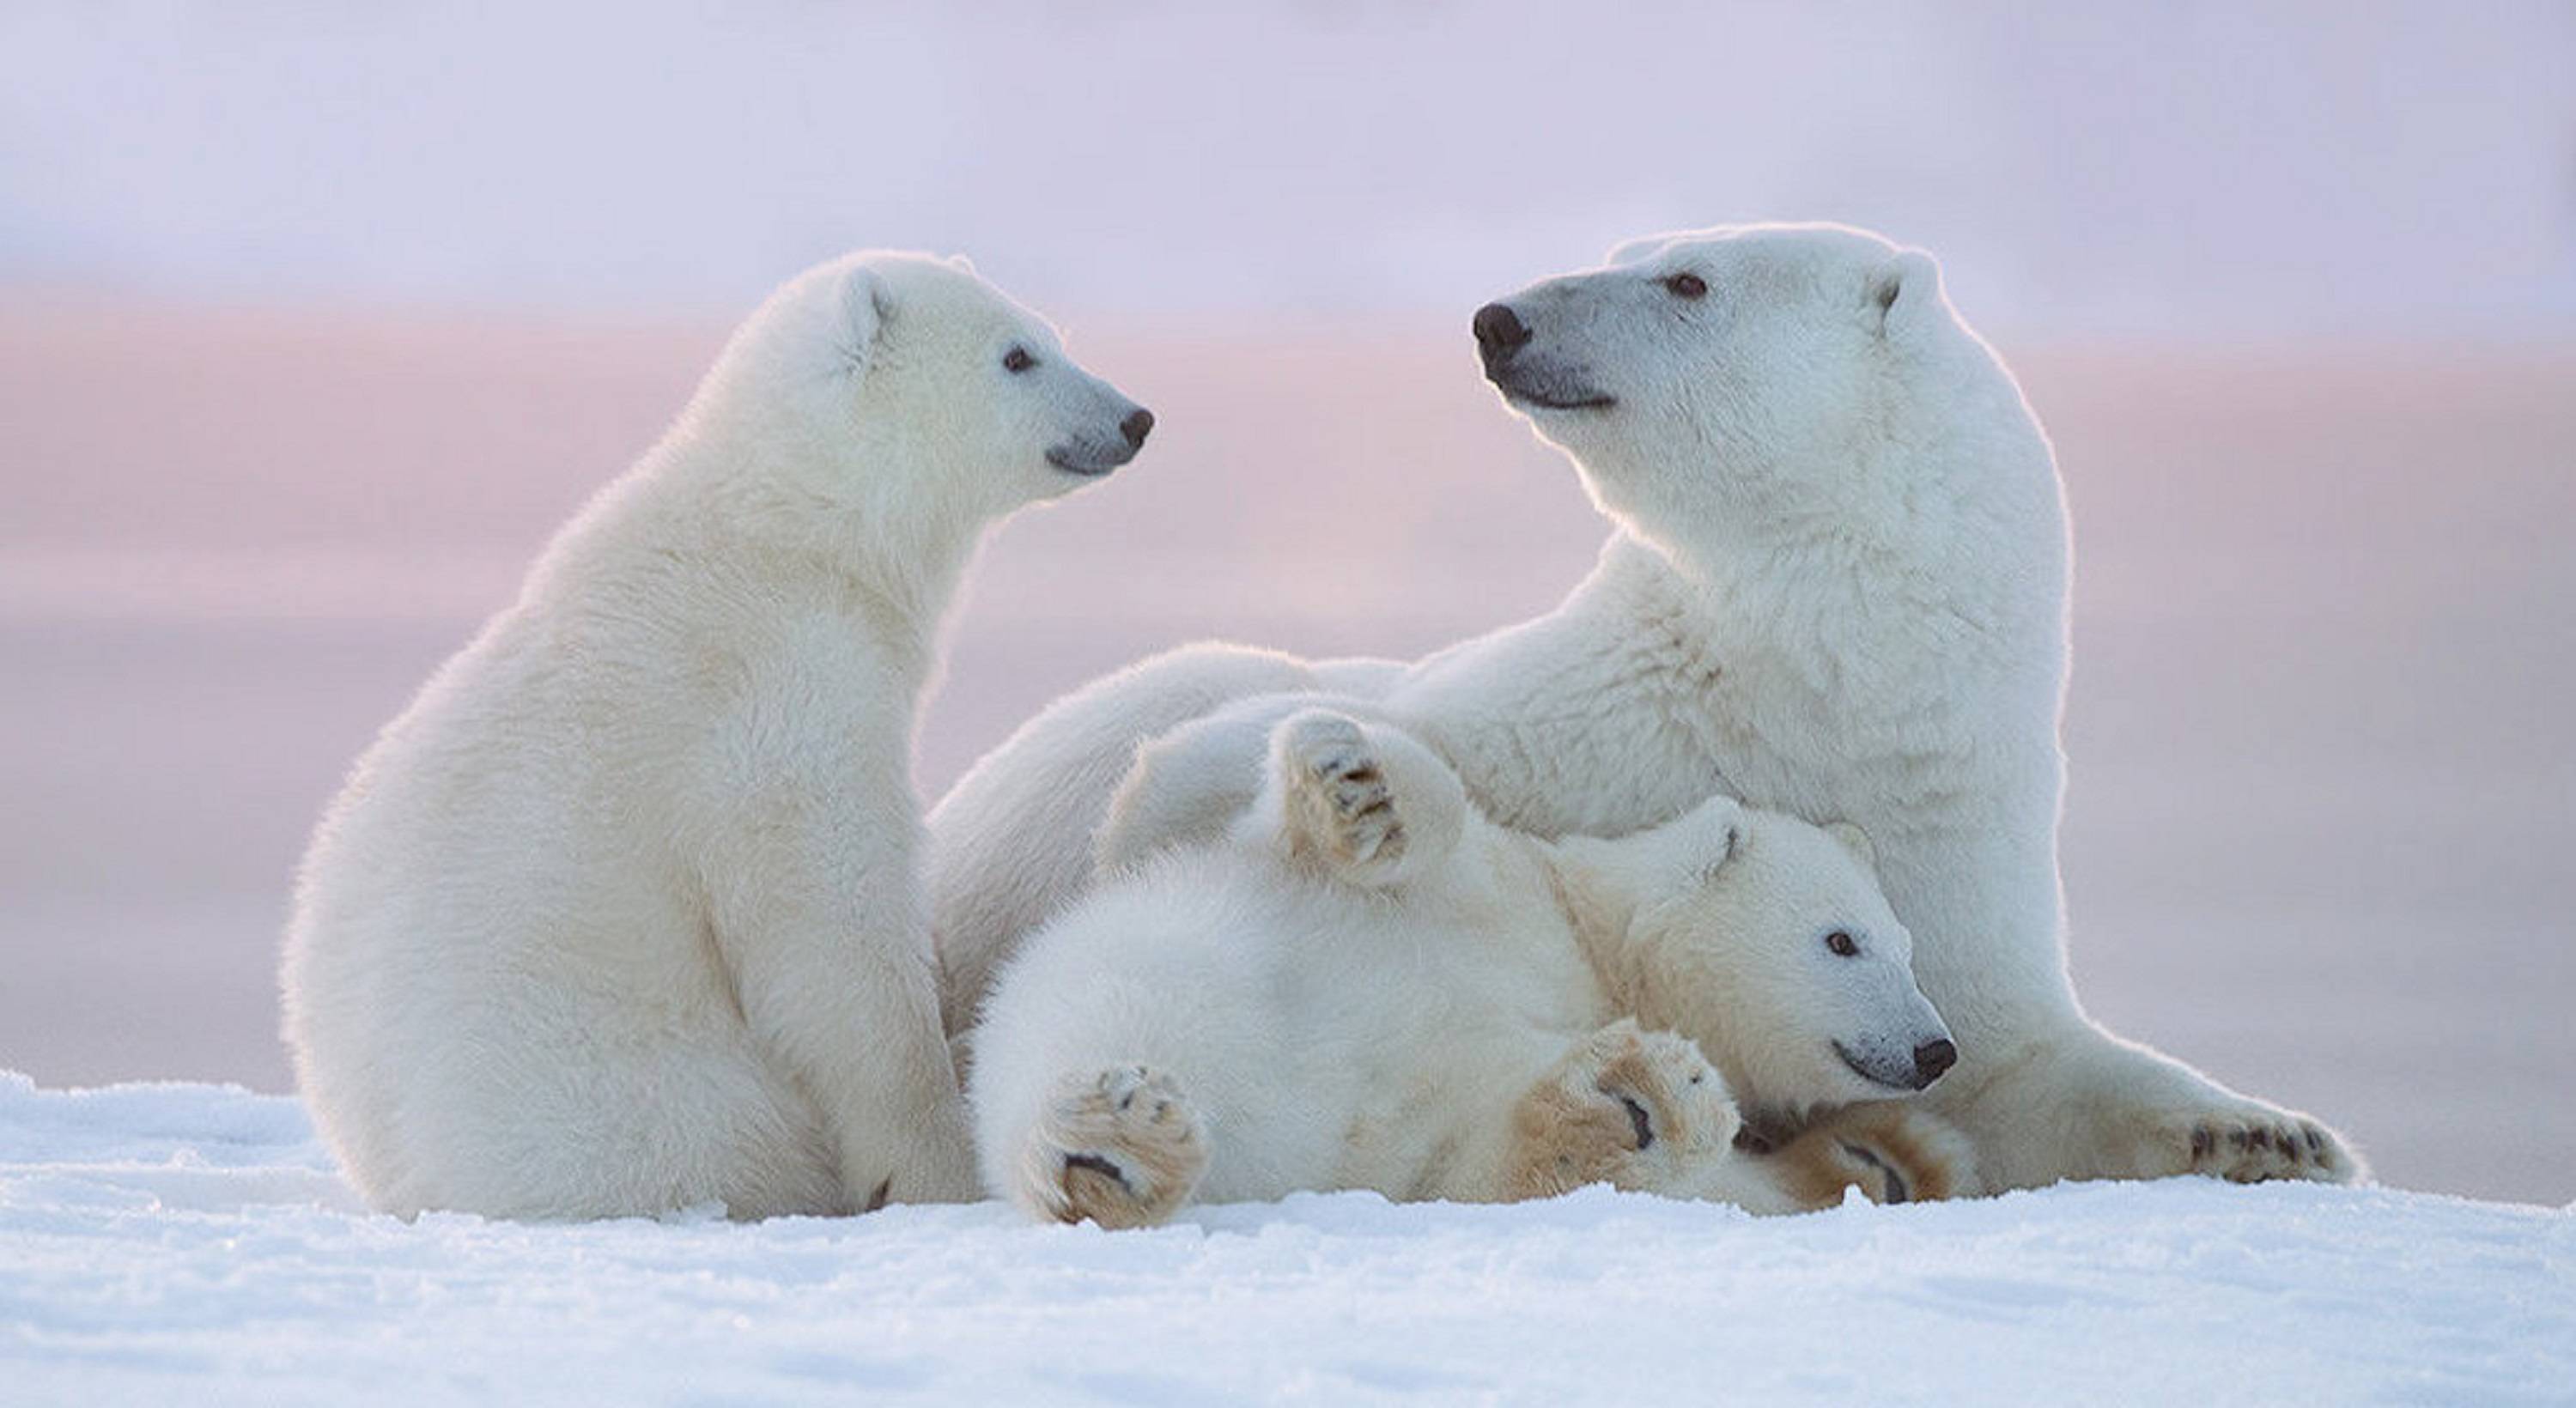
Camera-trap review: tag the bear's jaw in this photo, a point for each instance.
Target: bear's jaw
(1559, 400)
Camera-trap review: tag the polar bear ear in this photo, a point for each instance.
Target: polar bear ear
(1731, 842)
(862, 305)
(961, 263)
(1720, 818)
(1903, 292)
(1856, 841)
(1643, 247)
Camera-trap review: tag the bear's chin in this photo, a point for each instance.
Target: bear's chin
(1597, 401)
(1544, 388)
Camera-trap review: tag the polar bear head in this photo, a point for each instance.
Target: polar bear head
(907, 384)
(1767, 941)
(1744, 376)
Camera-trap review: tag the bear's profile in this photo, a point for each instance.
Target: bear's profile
(621, 914)
(1365, 984)
(1837, 588)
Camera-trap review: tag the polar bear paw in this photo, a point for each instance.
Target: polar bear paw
(1893, 1153)
(1338, 795)
(1121, 1148)
(2115, 1111)
(2241, 1141)
(2259, 1144)
(1637, 1109)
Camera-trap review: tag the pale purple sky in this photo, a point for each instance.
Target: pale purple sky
(2202, 169)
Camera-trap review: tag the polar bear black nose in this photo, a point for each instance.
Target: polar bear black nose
(1499, 333)
(1136, 427)
(1931, 1059)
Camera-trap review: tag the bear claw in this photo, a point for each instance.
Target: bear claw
(2261, 1150)
(1356, 820)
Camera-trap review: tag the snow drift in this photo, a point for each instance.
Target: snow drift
(192, 1243)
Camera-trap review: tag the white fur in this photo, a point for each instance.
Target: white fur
(621, 915)
(1837, 588)
(1359, 1001)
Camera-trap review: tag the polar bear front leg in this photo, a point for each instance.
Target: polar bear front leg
(1364, 803)
(815, 926)
(1121, 1147)
(1189, 784)
(1637, 1109)
(2086, 1105)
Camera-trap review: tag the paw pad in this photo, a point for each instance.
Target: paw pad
(1121, 1148)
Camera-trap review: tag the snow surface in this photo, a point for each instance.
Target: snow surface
(170, 1242)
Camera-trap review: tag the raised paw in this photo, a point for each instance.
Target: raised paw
(1629, 1107)
(1338, 790)
(1121, 1148)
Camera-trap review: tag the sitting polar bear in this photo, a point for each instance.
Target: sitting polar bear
(1837, 588)
(621, 914)
(1365, 984)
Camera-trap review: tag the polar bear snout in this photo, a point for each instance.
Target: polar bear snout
(1499, 333)
(1532, 377)
(1094, 453)
(1895, 1069)
(1138, 424)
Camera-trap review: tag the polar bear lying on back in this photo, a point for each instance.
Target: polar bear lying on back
(621, 914)
(1366, 984)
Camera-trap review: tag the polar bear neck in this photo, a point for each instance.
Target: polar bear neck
(745, 505)
(1967, 559)
(778, 463)
(1600, 912)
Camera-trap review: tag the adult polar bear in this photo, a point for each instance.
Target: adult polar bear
(1837, 589)
(622, 914)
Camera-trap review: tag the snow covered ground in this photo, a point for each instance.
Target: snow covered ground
(190, 1243)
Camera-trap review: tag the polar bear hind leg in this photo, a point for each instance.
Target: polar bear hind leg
(598, 1119)
(1121, 1147)
(1012, 843)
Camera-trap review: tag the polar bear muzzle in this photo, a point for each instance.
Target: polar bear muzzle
(1090, 455)
(1930, 1060)
(1539, 378)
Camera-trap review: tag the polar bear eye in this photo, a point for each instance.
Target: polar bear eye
(1687, 286)
(1017, 360)
(1842, 944)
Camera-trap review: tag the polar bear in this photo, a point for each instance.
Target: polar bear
(1836, 587)
(622, 913)
(1366, 984)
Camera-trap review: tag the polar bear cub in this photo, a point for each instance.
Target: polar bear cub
(1365, 984)
(621, 914)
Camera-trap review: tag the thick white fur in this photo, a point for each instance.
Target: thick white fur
(622, 914)
(1355, 984)
(1837, 587)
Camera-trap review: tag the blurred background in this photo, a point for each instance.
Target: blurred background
(314, 321)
